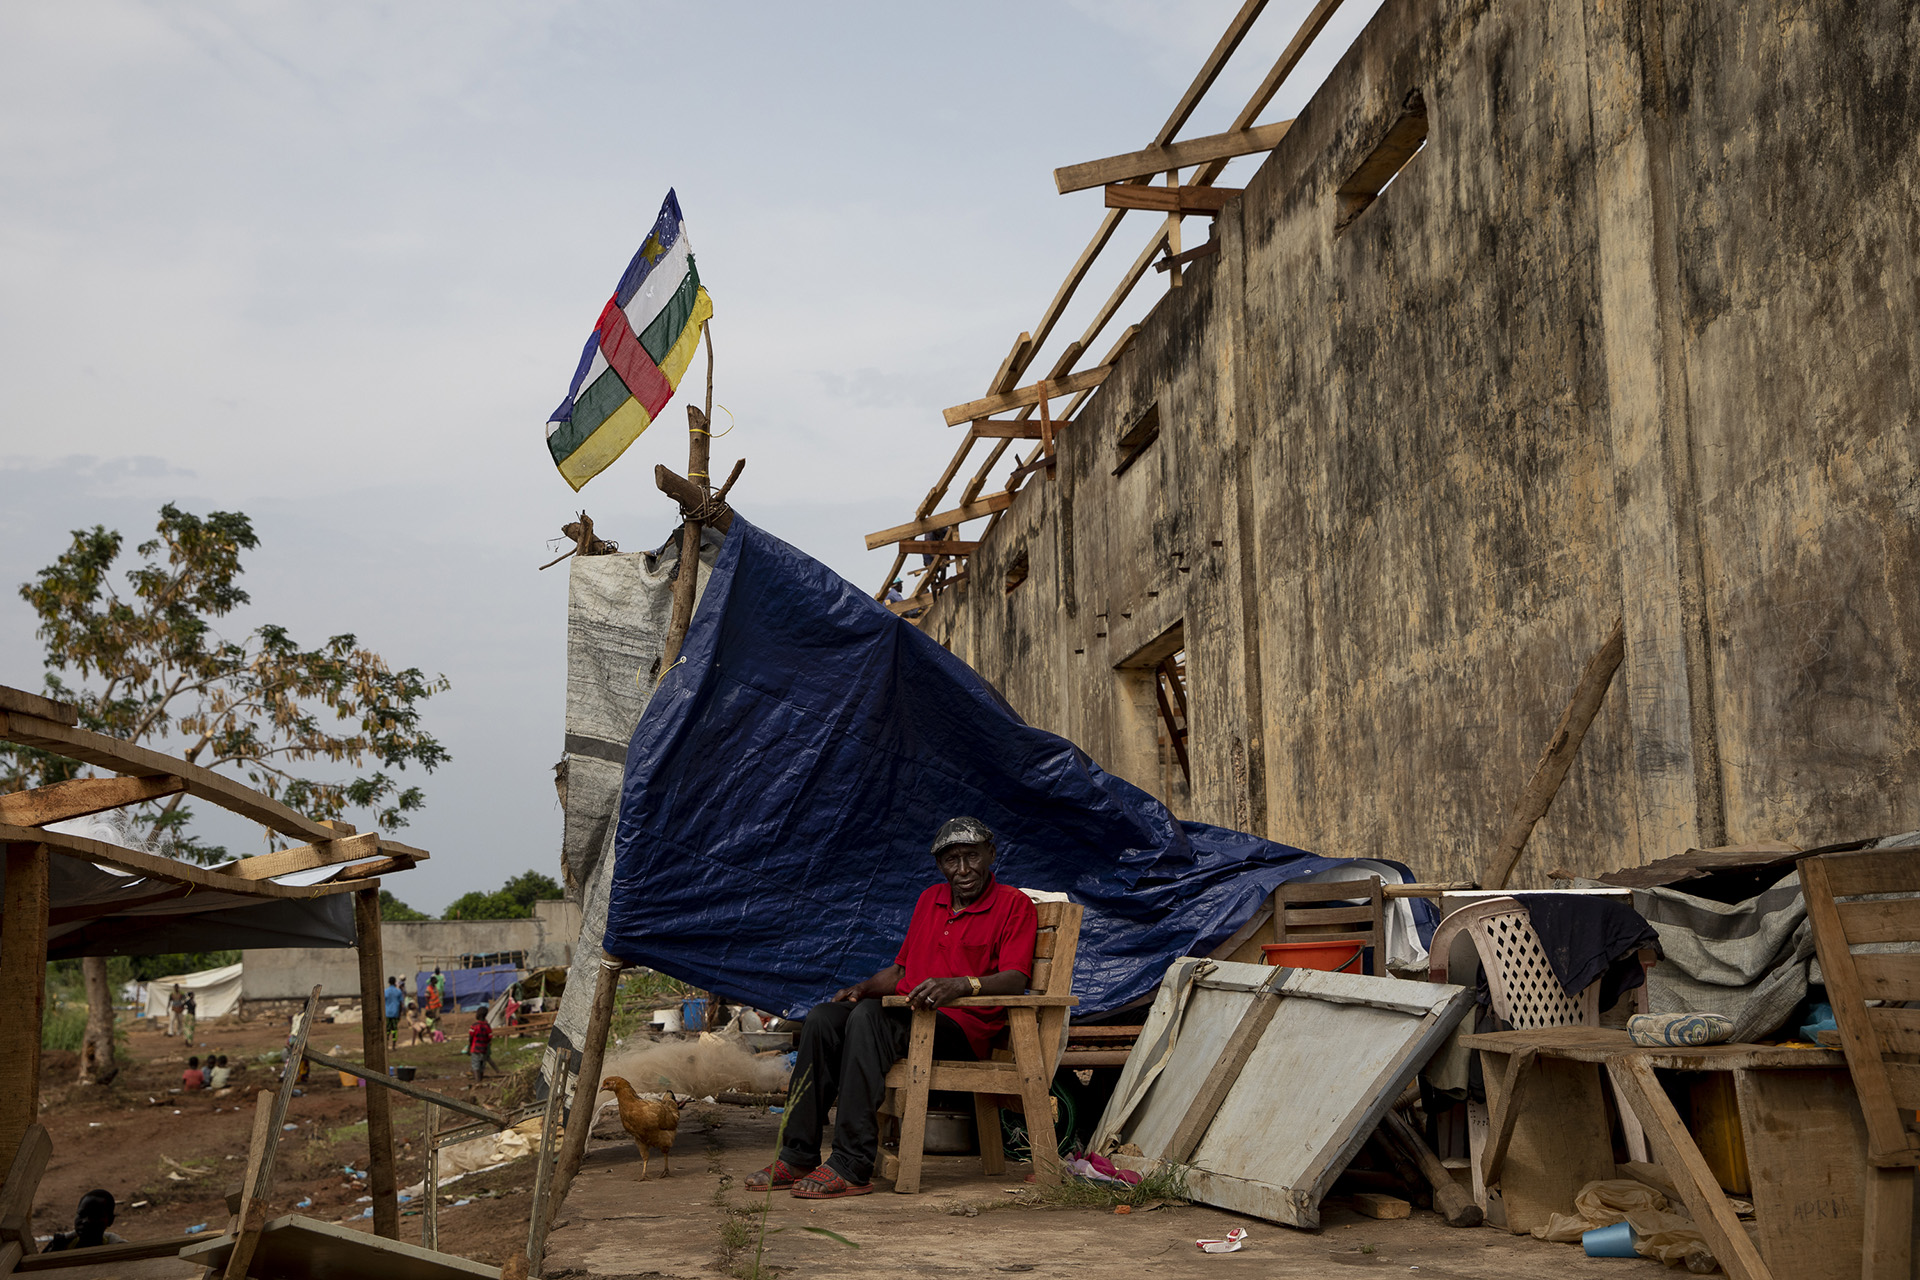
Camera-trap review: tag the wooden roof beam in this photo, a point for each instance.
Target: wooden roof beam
(120, 756)
(1240, 141)
(946, 519)
(1176, 200)
(79, 797)
(938, 547)
(1006, 429)
(1283, 67)
(1210, 70)
(1024, 396)
(156, 867)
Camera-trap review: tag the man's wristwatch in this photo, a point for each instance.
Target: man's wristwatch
(975, 984)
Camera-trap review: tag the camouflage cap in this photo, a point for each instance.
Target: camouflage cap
(961, 831)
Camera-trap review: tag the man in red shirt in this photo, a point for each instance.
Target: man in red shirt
(969, 936)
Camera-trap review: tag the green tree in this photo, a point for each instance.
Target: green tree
(512, 901)
(147, 665)
(391, 908)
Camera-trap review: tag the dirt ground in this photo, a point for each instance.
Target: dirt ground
(962, 1225)
(170, 1157)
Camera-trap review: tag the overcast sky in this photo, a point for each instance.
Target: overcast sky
(332, 265)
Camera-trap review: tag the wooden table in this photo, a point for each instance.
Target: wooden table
(1806, 1141)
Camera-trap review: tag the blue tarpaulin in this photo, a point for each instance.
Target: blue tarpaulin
(786, 780)
(471, 988)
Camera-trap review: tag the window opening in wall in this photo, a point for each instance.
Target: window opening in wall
(1138, 438)
(1170, 687)
(1384, 163)
(1017, 572)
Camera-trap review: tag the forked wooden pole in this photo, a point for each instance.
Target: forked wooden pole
(699, 453)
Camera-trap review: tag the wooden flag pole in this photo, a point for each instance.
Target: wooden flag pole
(699, 452)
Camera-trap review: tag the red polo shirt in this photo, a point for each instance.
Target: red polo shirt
(996, 933)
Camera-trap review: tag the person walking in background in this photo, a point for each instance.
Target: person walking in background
(394, 998)
(176, 1007)
(435, 998)
(480, 1045)
(190, 1017)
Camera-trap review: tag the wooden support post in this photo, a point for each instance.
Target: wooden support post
(1174, 277)
(373, 1040)
(270, 1112)
(539, 1222)
(1450, 1200)
(23, 990)
(1557, 758)
(430, 1184)
(586, 1087)
(24, 1171)
(699, 455)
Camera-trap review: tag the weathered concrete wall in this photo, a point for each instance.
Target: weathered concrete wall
(1634, 334)
(289, 973)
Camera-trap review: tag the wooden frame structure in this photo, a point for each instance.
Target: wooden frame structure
(353, 864)
(1124, 177)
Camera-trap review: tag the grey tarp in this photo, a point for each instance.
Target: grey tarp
(1751, 961)
(618, 608)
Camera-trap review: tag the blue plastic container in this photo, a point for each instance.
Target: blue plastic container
(1615, 1241)
(693, 1014)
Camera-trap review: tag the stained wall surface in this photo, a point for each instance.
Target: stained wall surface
(1634, 334)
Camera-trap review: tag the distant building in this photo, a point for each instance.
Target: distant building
(408, 947)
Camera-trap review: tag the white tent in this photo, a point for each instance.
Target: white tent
(216, 992)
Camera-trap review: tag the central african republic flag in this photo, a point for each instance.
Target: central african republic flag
(635, 356)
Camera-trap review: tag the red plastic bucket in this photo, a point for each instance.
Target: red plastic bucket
(1335, 956)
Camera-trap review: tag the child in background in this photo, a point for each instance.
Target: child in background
(192, 1079)
(480, 1045)
(218, 1077)
(90, 1223)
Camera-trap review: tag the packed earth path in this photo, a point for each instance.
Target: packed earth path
(169, 1157)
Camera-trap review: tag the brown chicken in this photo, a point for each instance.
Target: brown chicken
(650, 1122)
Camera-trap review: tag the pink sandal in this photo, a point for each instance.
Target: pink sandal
(824, 1184)
(779, 1176)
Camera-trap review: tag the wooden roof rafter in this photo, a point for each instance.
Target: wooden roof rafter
(1164, 155)
(145, 774)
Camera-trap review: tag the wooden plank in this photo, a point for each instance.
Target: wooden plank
(1806, 1146)
(430, 1182)
(1283, 66)
(1179, 260)
(24, 1171)
(1638, 1087)
(1007, 429)
(1883, 920)
(1220, 1078)
(927, 524)
(539, 1220)
(1513, 1100)
(1558, 756)
(373, 870)
(160, 868)
(1872, 871)
(32, 704)
(1561, 1139)
(260, 1175)
(23, 990)
(913, 1102)
(943, 547)
(1210, 70)
(250, 1211)
(119, 756)
(1150, 161)
(81, 796)
(1177, 200)
(324, 853)
(1372, 1204)
(1450, 1200)
(1024, 396)
(109, 1254)
(411, 1090)
(1009, 371)
(1887, 1228)
(991, 1002)
(1035, 1065)
(382, 1180)
(1847, 992)
(1898, 1029)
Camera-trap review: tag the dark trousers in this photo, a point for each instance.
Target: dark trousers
(845, 1053)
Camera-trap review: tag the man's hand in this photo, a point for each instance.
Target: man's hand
(935, 992)
(847, 993)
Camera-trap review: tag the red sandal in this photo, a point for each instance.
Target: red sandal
(824, 1184)
(779, 1176)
